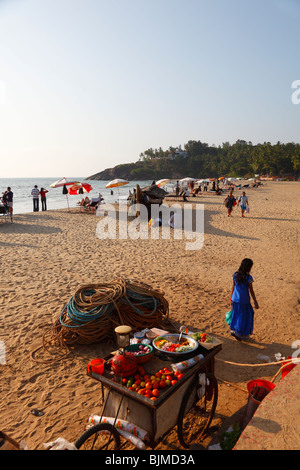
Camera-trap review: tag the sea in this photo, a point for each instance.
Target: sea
(22, 199)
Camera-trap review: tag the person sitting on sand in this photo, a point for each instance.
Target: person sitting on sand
(242, 319)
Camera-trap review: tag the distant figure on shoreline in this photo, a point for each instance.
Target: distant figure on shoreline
(43, 198)
(35, 197)
(242, 319)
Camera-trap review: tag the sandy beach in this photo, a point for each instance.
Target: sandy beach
(47, 256)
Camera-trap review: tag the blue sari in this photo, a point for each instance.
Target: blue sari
(242, 311)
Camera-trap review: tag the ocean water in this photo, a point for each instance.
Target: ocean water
(22, 201)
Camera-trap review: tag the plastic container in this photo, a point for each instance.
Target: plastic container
(150, 335)
(260, 383)
(97, 366)
(288, 368)
(139, 335)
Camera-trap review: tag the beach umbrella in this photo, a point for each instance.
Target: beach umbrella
(188, 180)
(116, 183)
(202, 181)
(162, 182)
(63, 183)
(80, 188)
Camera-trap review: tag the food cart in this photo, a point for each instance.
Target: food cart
(189, 403)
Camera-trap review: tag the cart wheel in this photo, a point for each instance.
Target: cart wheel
(196, 414)
(102, 436)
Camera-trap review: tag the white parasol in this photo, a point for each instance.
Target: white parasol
(116, 183)
(63, 182)
(162, 182)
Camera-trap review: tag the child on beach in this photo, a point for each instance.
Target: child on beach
(241, 325)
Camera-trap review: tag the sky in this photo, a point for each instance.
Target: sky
(86, 85)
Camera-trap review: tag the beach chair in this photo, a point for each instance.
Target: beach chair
(94, 204)
(3, 211)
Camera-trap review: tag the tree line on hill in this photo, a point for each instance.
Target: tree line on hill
(199, 160)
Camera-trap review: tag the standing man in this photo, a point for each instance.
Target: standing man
(8, 198)
(35, 195)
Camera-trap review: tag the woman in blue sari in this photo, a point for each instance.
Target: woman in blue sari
(241, 325)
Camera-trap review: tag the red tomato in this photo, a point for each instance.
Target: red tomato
(162, 384)
(173, 382)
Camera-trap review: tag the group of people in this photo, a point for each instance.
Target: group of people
(8, 195)
(36, 193)
(7, 201)
(230, 202)
(91, 204)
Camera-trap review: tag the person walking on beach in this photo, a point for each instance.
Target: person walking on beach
(241, 325)
(243, 202)
(230, 202)
(35, 196)
(43, 199)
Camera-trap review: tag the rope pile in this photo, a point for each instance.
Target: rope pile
(94, 311)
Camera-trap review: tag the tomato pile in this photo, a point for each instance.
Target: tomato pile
(151, 385)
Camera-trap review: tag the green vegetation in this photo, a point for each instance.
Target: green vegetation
(240, 159)
(199, 160)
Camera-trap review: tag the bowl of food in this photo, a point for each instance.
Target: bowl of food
(142, 352)
(175, 345)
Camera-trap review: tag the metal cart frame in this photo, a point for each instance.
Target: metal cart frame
(159, 417)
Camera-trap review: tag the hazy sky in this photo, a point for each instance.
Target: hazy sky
(89, 84)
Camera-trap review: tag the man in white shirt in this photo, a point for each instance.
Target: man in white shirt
(35, 196)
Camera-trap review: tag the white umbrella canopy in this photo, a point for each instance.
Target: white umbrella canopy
(116, 183)
(62, 182)
(162, 182)
(188, 180)
(203, 181)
